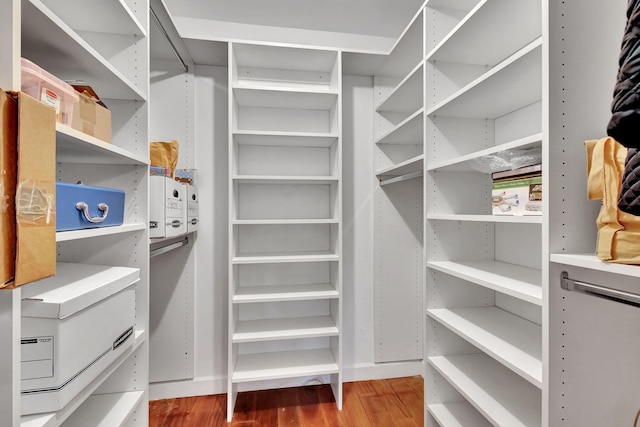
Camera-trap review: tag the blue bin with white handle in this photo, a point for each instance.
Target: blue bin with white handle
(80, 206)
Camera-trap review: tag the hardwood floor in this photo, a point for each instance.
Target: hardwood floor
(396, 402)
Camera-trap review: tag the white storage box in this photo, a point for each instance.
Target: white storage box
(193, 208)
(74, 325)
(167, 207)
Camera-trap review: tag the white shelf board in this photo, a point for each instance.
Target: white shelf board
(285, 139)
(464, 163)
(73, 146)
(516, 219)
(283, 179)
(491, 31)
(77, 402)
(457, 414)
(409, 131)
(514, 83)
(140, 335)
(503, 397)
(282, 329)
(284, 221)
(285, 293)
(284, 364)
(38, 420)
(105, 410)
(65, 236)
(285, 258)
(289, 98)
(510, 279)
(111, 17)
(591, 262)
(407, 96)
(411, 165)
(54, 46)
(509, 339)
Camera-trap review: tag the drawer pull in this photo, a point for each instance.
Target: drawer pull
(84, 208)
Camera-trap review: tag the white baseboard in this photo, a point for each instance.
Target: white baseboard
(201, 386)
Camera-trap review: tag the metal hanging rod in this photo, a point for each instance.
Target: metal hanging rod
(599, 291)
(164, 249)
(164, 33)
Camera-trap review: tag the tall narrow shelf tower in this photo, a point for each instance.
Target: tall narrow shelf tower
(484, 305)
(104, 44)
(398, 219)
(285, 231)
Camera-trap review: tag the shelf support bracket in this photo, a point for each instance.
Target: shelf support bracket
(599, 291)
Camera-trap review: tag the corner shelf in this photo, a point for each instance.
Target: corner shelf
(414, 164)
(409, 131)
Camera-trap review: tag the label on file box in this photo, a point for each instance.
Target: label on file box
(36, 357)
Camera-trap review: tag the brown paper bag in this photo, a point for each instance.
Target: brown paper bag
(164, 154)
(618, 232)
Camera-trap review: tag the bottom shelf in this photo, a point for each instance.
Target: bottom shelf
(502, 396)
(457, 414)
(285, 364)
(105, 410)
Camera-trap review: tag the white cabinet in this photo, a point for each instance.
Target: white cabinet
(104, 44)
(285, 231)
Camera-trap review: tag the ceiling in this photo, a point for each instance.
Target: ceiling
(350, 20)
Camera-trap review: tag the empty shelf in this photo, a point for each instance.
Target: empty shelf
(284, 258)
(511, 340)
(38, 420)
(509, 86)
(284, 221)
(285, 139)
(270, 179)
(409, 131)
(285, 293)
(414, 164)
(407, 96)
(520, 282)
(593, 263)
(105, 410)
(284, 364)
(285, 98)
(65, 236)
(73, 146)
(288, 328)
(500, 395)
(457, 414)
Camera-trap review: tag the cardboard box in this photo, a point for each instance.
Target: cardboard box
(519, 196)
(91, 118)
(35, 198)
(8, 165)
(74, 325)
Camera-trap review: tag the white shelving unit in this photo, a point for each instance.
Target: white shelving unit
(285, 245)
(398, 140)
(64, 41)
(485, 283)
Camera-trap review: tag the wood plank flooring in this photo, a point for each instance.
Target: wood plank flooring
(396, 402)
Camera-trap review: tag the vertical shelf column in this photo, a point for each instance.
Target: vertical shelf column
(285, 218)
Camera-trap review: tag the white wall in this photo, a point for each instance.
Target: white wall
(210, 274)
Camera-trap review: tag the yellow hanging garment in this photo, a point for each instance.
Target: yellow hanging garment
(618, 232)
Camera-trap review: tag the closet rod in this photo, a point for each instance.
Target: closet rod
(168, 39)
(163, 249)
(599, 291)
(401, 178)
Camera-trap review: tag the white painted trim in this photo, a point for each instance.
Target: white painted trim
(218, 385)
(212, 30)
